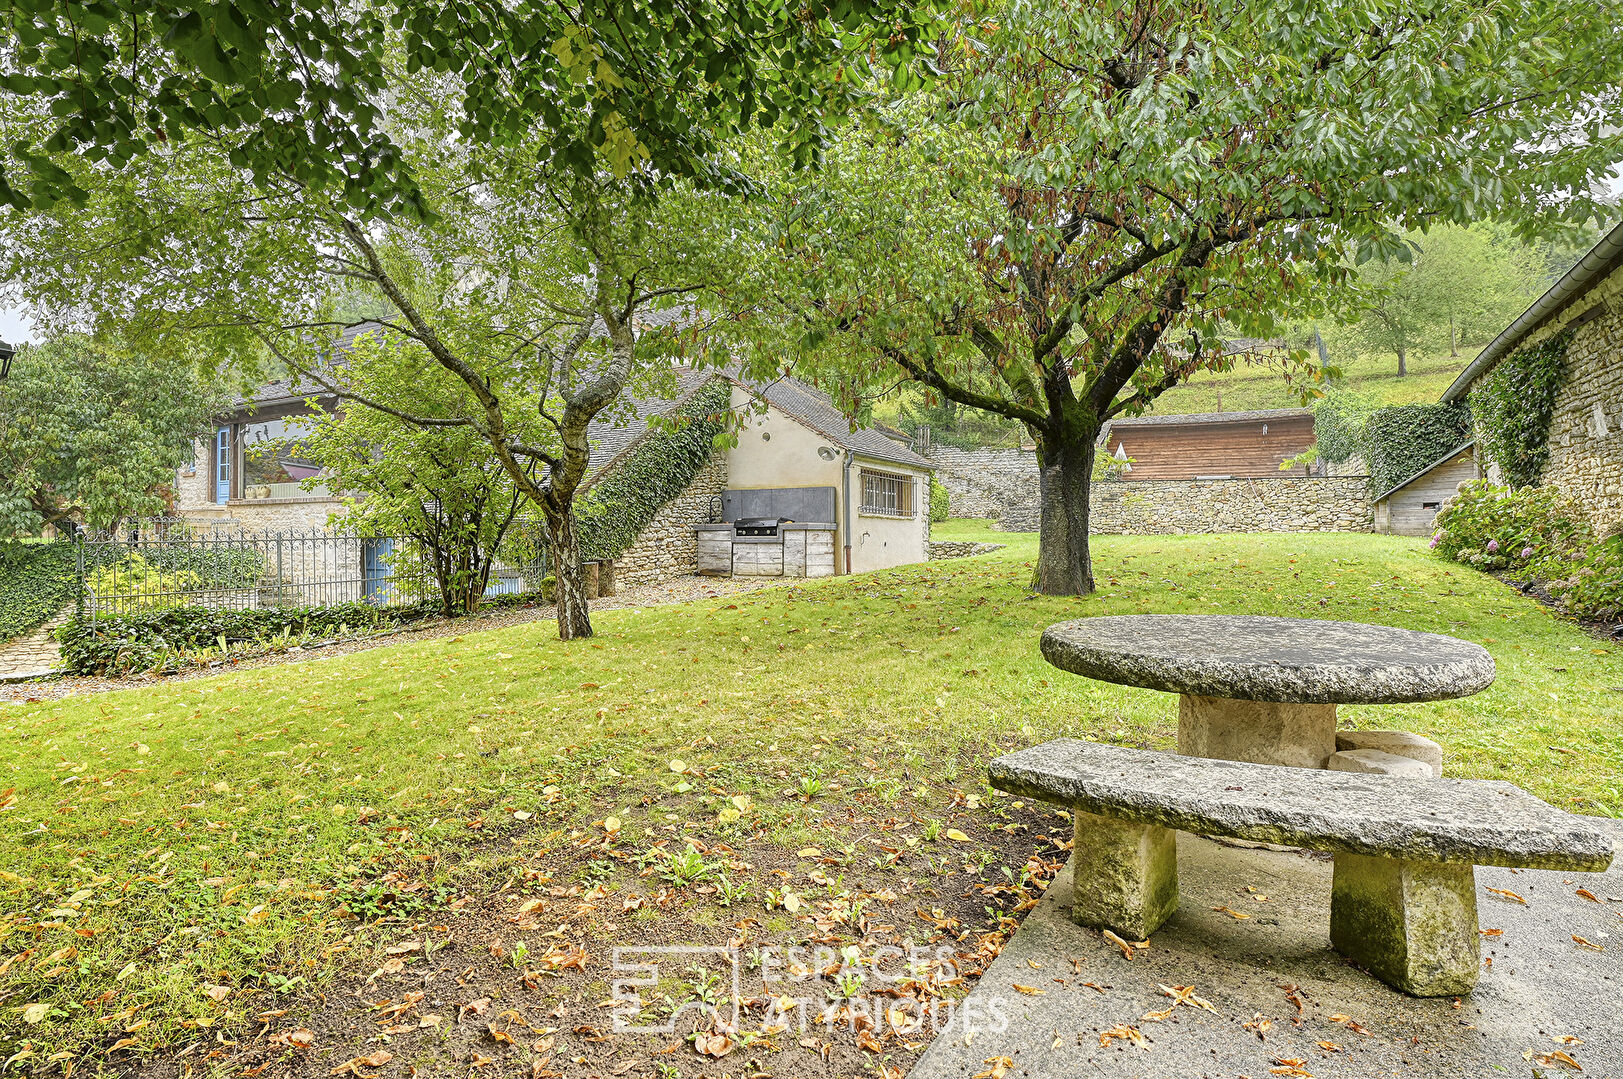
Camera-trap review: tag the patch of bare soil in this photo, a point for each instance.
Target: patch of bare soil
(746, 961)
(1539, 591)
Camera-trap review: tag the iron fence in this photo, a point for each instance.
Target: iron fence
(176, 563)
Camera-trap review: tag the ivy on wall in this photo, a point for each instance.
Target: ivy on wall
(36, 581)
(1514, 405)
(613, 512)
(1400, 440)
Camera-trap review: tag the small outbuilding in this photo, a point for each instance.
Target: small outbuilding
(1211, 445)
(1408, 508)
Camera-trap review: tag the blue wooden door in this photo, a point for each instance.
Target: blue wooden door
(222, 465)
(375, 569)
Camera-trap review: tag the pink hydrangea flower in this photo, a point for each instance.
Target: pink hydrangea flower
(1493, 546)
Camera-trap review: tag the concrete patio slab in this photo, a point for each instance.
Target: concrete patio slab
(1284, 1002)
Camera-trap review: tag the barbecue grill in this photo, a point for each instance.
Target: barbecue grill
(759, 526)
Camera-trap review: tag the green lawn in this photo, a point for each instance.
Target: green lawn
(1250, 387)
(246, 832)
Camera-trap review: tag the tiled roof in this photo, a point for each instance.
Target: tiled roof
(620, 429)
(817, 410)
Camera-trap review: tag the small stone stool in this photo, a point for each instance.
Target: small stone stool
(1396, 743)
(1375, 762)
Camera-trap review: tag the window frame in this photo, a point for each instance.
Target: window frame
(902, 485)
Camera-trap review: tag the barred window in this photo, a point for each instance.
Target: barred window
(887, 493)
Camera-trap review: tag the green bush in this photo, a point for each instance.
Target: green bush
(169, 639)
(940, 500)
(1519, 529)
(133, 583)
(163, 639)
(1592, 585)
(36, 581)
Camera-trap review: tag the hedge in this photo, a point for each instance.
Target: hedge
(177, 637)
(1401, 440)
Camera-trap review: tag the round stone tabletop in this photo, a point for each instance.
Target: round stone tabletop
(1256, 658)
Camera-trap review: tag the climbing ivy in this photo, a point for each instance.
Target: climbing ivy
(1403, 439)
(36, 581)
(1514, 405)
(613, 512)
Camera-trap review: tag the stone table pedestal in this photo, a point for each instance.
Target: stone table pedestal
(1261, 689)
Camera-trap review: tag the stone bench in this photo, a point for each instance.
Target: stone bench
(1403, 898)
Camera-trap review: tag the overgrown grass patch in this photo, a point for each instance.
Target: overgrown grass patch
(260, 830)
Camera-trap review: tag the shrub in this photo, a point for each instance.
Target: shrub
(133, 583)
(169, 638)
(36, 581)
(940, 500)
(1592, 586)
(1518, 529)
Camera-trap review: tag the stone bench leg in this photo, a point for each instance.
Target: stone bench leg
(1262, 732)
(1124, 876)
(1412, 924)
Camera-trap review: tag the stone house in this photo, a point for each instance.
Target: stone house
(793, 439)
(1585, 439)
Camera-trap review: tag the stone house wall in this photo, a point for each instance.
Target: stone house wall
(669, 547)
(1161, 507)
(1586, 431)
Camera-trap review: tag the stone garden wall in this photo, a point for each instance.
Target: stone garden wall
(985, 483)
(960, 548)
(1159, 507)
(668, 547)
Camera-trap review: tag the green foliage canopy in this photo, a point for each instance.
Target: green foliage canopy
(302, 92)
(94, 433)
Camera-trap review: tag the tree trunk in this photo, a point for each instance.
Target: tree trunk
(1064, 563)
(574, 612)
(1403, 362)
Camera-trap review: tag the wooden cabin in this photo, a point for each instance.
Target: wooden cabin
(1409, 508)
(1213, 445)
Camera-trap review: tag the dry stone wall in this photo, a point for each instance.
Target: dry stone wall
(669, 547)
(960, 548)
(1163, 507)
(987, 482)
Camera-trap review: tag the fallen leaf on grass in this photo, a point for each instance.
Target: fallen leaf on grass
(216, 993)
(713, 1045)
(35, 1013)
(956, 836)
(1509, 896)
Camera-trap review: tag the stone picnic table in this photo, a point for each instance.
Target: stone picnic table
(1265, 689)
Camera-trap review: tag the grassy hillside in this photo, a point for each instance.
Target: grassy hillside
(1252, 387)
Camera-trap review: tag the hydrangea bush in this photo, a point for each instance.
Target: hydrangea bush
(1515, 529)
(1534, 533)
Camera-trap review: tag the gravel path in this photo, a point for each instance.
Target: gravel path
(677, 590)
